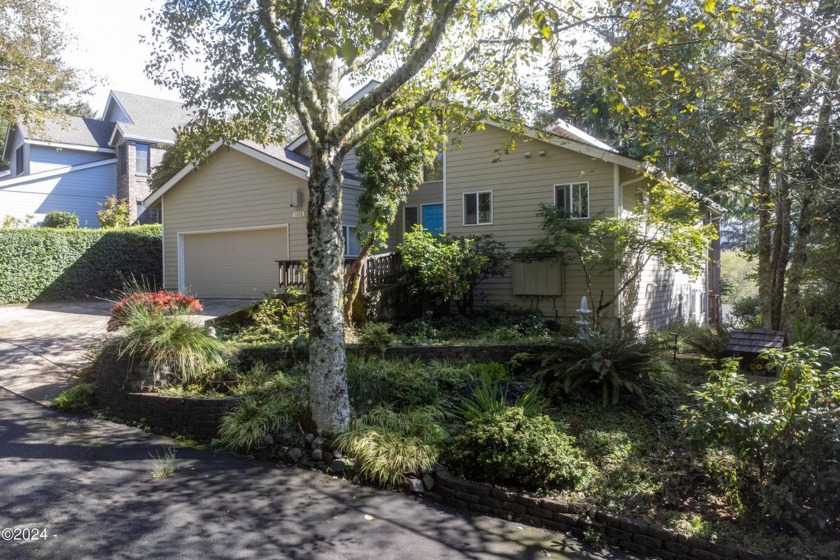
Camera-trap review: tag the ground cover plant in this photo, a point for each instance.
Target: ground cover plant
(78, 398)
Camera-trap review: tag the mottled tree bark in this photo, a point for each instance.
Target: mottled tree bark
(328, 397)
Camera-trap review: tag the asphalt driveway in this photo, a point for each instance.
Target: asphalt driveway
(85, 485)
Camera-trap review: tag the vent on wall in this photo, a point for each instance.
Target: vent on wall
(538, 278)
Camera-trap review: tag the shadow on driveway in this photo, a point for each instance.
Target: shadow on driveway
(88, 483)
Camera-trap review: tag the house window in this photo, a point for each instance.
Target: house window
(573, 199)
(122, 155)
(141, 155)
(410, 218)
(478, 208)
(19, 160)
(351, 242)
(434, 172)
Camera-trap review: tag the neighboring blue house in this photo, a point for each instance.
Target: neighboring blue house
(75, 164)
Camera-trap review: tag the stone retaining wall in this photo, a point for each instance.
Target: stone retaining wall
(198, 417)
(195, 417)
(467, 353)
(637, 536)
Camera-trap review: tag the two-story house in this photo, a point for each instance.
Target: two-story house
(227, 222)
(74, 164)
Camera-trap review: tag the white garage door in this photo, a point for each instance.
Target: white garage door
(233, 264)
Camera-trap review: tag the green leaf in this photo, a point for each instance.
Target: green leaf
(348, 52)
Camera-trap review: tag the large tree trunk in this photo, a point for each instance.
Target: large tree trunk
(765, 222)
(781, 233)
(328, 397)
(820, 155)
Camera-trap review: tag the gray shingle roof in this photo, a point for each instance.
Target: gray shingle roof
(75, 130)
(291, 157)
(281, 153)
(754, 341)
(152, 118)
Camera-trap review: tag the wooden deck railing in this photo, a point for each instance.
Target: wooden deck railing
(380, 270)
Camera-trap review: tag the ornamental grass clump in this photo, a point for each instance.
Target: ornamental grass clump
(272, 401)
(390, 444)
(162, 339)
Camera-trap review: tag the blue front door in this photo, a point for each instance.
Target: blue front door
(433, 218)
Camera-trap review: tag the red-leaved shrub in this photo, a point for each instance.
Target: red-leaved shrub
(159, 302)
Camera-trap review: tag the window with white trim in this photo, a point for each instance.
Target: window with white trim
(573, 199)
(411, 217)
(351, 242)
(478, 208)
(141, 153)
(19, 163)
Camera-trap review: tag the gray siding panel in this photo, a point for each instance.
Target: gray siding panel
(44, 158)
(78, 191)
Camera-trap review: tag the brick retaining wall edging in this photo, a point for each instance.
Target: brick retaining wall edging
(634, 535)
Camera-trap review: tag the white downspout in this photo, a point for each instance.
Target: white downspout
(445, 150)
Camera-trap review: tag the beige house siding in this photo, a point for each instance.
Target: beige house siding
(661, 295)
(666, 295)
(231, 191)
(519, 185)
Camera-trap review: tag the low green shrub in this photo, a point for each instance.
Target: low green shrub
(276, 318)
(41, 264)
(611, 361)
(58, 219)
(376, 337)
(78, 398)
(510, 447)
(389, 444)
(784, 434)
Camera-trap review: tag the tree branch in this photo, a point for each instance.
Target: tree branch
(379, 49)
(302, 91)
(415, 61)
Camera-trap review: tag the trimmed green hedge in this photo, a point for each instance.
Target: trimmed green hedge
(38, 264)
